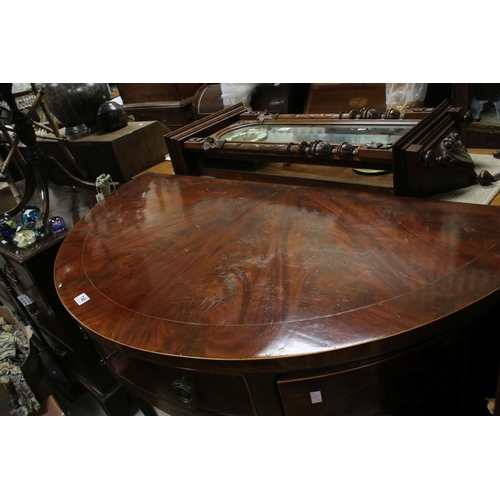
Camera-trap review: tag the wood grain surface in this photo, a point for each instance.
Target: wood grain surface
(231, 275)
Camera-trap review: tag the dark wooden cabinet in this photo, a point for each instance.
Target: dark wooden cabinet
(27, 287)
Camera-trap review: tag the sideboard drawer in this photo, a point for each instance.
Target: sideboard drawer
(186, 389)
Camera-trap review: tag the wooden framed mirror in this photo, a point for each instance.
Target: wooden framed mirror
(418, 153)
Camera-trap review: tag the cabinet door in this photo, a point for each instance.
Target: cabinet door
(426, 381)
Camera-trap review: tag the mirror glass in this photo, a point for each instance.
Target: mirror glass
(363, 133)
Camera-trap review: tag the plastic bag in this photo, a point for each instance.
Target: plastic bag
(403, 96)
(234, 93)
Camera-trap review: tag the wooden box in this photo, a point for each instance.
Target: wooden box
(122, 153)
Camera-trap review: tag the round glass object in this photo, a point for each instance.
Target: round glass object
(7, 229)
(24, 237)
(56, 224)
(30, 215)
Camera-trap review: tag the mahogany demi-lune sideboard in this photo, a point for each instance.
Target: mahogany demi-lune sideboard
(222, 297)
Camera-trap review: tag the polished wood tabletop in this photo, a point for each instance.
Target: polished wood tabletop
(198, 270)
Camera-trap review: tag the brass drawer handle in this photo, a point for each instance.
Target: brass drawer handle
(185, 392)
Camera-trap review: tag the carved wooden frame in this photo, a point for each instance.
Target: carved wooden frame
(427, 160)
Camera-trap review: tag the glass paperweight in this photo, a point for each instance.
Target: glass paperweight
(30, 215)
(24, 237)
(37, 228)
(56, 224)
(7, 228)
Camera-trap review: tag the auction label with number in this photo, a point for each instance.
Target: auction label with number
(25, 300)
(81, 299)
